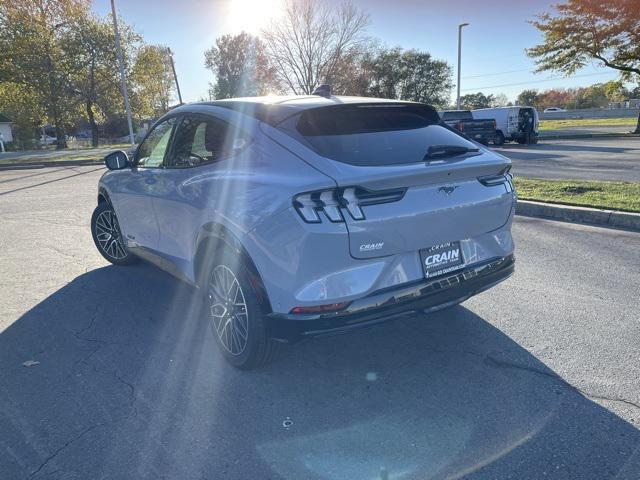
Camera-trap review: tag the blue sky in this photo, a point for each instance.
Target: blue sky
(493, 59)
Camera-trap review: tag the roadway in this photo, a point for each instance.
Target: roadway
(614, 159)
(536, 378)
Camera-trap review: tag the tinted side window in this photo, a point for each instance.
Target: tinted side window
(457, 115)
(201, 140)
(151, 151)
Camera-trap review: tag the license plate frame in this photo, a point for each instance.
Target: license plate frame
(440, 259)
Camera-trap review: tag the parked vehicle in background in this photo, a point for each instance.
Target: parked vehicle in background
(47, 140)
(481, 130)
(517, 124)
(300, 216)
(554, 109)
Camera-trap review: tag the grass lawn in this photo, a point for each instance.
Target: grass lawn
(588, 122)
(607, 195)
(81, 154)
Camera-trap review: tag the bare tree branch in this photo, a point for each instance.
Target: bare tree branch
(309, 43)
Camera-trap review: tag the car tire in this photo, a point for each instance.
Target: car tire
(498, 140)
(107, 236)
(236, 315)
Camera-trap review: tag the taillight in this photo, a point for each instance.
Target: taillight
(500, 178)
(460, 126)
(333, 202)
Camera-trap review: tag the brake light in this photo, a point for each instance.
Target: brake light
(460, 126)
(332, 202)
(492, 180)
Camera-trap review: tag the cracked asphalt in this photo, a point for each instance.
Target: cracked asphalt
(536, 378)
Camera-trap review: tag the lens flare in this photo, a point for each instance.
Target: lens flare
(252, 15)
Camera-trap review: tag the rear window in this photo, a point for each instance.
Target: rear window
(372, 135)
(464, 115)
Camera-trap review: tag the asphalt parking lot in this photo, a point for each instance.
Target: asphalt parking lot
(612, 159)
(537, 378)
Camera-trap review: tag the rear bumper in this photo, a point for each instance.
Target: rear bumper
(433, 294)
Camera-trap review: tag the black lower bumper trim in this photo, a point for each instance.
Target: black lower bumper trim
(433, 294)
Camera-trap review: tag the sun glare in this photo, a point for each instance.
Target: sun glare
(252, 15)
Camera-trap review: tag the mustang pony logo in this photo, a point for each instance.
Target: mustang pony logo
(448, 189)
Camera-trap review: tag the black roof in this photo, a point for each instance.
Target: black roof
(275, 109)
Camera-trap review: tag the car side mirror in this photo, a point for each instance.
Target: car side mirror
(117, 160)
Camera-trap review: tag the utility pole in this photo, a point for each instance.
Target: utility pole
(173, 67)
(459, 62)
(123, 79)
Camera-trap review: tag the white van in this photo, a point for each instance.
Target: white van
(519, 124)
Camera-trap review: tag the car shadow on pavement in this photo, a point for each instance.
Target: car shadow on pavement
(47, 182)
(129, 385)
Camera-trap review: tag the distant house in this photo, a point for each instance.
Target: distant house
(631, 103)
(5, 129)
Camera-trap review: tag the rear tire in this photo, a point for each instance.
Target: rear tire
(498, 140)
(236, 316)
(107, 236)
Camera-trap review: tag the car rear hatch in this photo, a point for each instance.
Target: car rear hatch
(405, 181)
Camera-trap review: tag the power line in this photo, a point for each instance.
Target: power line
(498, 73)
(551, 79)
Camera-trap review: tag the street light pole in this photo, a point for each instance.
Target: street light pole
(123, 79)
(459, 62)
(173, 67)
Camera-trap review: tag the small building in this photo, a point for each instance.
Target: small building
(631, 103)
(5, 129)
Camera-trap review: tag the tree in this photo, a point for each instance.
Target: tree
(91, 48)
(152, 80)
(473, 101)
(240, 66)
(310, 42)
(554, 97)
(592, 96)
(584, 30)
(500, 100)
(32, 35)
(424, 79)
(407, 75)
(615, 91)
(528, 97)
(25, 109)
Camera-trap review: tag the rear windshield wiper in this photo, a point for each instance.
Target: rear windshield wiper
(442, 151)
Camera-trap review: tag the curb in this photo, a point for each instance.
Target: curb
(577, 136)
(590, 216)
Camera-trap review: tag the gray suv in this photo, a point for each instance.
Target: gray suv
(307, 215)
